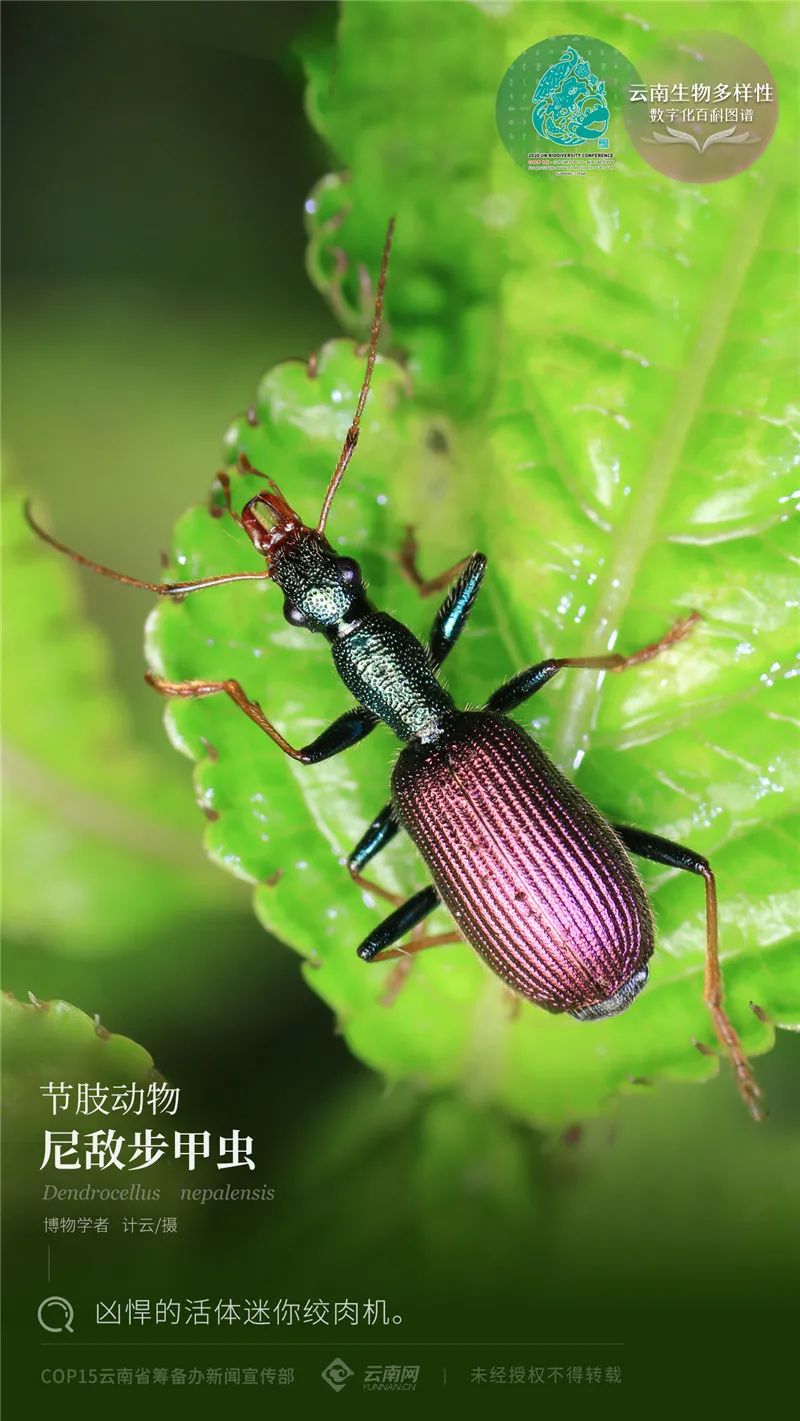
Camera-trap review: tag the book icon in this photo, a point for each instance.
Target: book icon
(722, 135)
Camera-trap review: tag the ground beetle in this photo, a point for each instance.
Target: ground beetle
(538, 882)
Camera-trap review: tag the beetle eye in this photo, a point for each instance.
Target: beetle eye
(349, 570)
(294, 616)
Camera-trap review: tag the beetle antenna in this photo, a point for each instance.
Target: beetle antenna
(162, 589)
(351, 439)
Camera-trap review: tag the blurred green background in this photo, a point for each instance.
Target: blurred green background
(157, 159)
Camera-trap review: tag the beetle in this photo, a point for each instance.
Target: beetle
(537, 881)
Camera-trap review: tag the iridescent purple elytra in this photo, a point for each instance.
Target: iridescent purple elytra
(537, 881)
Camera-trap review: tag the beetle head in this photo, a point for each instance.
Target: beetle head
(322, 591)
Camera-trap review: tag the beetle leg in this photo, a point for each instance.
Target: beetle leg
(348, 729)
(397, 979)
(224, 482)
(407, 559)
(375, 888)
(451, 617)
(380, 832)
(405, 959)
(351, 727)
(658, 850)
(407, 916)
(398, 923)
(512, 694)
(419, 944)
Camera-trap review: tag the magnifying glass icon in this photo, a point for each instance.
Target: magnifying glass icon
(60, 1313)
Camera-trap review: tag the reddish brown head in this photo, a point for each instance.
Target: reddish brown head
(271, 524)
(322, 591)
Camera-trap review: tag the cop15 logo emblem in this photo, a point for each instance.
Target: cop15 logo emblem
(569, 104)
(559, 102)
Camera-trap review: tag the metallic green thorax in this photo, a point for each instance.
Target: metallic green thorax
(390, 672)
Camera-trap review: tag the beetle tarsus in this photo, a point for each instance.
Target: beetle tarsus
(367, 886)
(397, 981)
(407, 560)
(680, 629)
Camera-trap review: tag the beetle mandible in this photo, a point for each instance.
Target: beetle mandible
(537, 881)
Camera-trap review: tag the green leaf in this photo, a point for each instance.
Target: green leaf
(601, 398)
(99, 850)
(55, 1041)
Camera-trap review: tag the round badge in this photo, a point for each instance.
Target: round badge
(560, 104)
(706, 109)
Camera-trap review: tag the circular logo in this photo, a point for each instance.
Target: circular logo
(706, 109)
(559, 102)
(55, 1314)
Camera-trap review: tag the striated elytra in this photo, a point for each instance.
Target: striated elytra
(535, 878)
